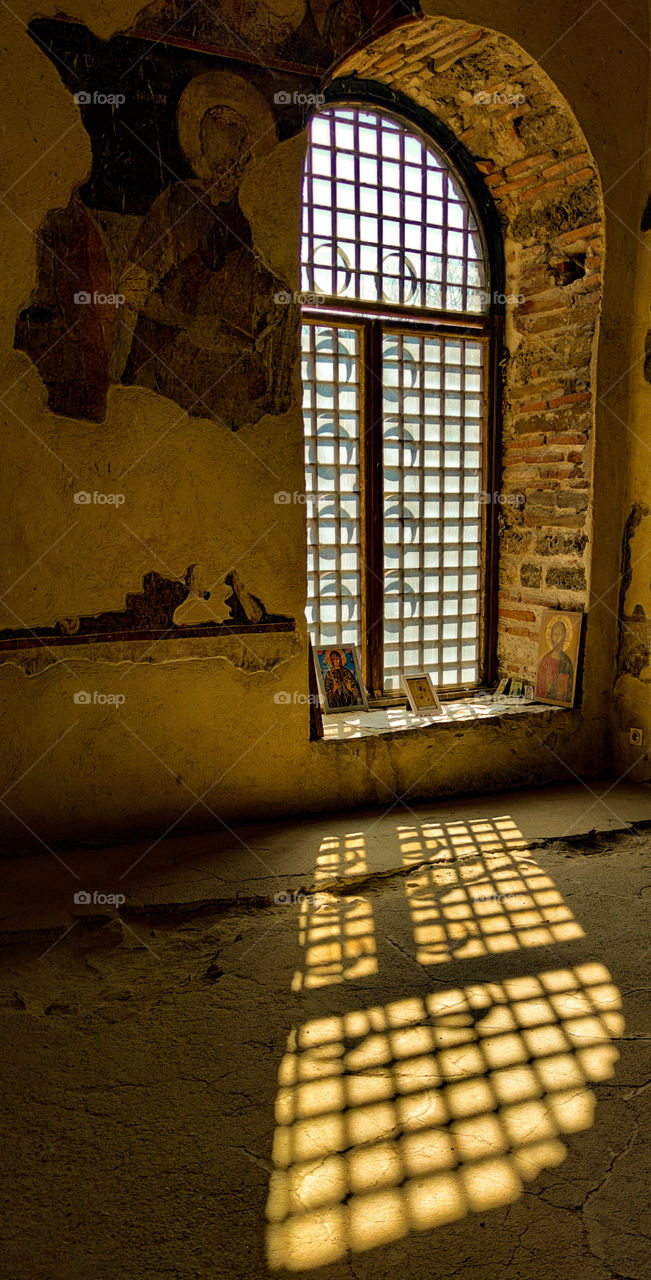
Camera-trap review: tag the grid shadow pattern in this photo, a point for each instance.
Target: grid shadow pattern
(407, 1116)
(337, 934)
(490, 904)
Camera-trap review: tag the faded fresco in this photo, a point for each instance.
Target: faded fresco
(166, 292)
(153, 611)
(150, 276)
(70, 339)
(207, 331)
(313, 33)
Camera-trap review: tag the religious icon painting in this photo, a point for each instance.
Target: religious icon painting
(421, 692)
(558, 657)
(340, 678)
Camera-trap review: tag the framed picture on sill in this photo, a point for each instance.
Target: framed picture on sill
(421, 692)
(339, 675)
(557, 666)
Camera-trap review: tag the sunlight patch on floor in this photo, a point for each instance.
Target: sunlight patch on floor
(405, 1117)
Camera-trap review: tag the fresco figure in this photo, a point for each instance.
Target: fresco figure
(346, 26)
(245, 607)
(208, 332)
(253, 26)
(69, 326)
(340, 684)
(555, 677)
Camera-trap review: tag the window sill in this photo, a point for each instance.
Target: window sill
(390, 720)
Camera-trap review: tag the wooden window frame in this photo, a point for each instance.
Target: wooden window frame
(372, 321)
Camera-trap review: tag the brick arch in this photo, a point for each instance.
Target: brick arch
(534, 158)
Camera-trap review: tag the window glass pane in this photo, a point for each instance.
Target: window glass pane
(386, 187)
(331, 406)
(432, 620)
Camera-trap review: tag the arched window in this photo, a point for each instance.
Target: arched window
(396, 372)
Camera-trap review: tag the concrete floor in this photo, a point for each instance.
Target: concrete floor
(433, 1063)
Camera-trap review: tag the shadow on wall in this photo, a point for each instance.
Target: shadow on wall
(405, 1116)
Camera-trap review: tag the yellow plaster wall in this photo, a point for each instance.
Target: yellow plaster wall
(204, 728)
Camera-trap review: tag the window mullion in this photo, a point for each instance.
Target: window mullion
(492, 436)
(372, 501)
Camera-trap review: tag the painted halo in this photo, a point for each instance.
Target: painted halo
(570, 625)
(342, 655)
(223, 89)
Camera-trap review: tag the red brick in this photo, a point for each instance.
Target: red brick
(581, 176)
(550, 301)
(544, 457)
(520, 615)
(528, 163)
(542, 601)
(578, 398)
(393, 60)
(532, 192)
(579, 233)
(571, 163)
(530, 406)
(506, 189)
(531, 441)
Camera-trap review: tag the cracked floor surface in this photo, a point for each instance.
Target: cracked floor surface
(442, 1072)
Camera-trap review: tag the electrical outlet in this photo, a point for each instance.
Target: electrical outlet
(636, 737)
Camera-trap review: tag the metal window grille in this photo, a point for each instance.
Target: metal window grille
(396, 358)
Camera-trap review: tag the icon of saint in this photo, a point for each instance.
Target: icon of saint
(340, 683)
(555, 677)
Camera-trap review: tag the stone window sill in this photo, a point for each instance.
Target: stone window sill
(391, 720)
